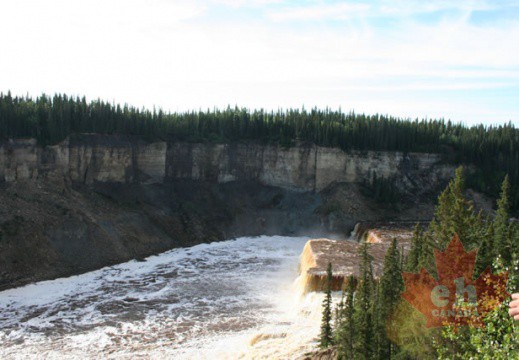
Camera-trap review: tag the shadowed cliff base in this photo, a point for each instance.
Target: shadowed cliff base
(53, 229)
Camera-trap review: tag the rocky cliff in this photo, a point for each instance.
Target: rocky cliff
(85, 159)
(95, 200)
(302, 168)
(102, 158)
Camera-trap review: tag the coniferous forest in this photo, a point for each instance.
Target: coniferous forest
(493, 149)
(259, 179)
(373, 321)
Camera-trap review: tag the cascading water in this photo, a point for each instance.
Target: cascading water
(226, 300)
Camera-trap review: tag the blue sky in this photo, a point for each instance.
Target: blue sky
(457, 60)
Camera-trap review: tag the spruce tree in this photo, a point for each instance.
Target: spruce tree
(391, 287)
(417, 243)
(461, 218)
(453, 214)
(440, 226)
(326, 327)
(346, 330)
(502, 226)
(486, 251)
(363, 320)
(339, 314)
(378, 321)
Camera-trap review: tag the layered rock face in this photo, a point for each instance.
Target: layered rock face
(345, 260)
(303, 167)
(95, 200)
(85, 158)
(19, 160)
(103, 158)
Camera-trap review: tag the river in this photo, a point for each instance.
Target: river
(235, 299)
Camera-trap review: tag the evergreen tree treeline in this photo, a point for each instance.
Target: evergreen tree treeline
(374, 322)
(493, 149)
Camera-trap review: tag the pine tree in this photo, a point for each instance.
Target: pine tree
(440, 225)
(453, 214)
(426, 257)
(391, 287)
(487, 251)
(346, 330)
(379, 341)
(326, 327)
(502, 226)
(363, 346)
(417, 243)
(339, 314)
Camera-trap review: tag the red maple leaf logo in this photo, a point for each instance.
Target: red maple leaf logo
(455, 299)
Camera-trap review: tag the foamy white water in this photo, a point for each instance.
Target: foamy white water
(235, 299)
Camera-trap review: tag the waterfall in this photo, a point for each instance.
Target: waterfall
(236, 299)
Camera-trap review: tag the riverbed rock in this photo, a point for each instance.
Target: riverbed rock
(345, 259)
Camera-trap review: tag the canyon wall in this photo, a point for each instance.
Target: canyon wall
(85, 158)
(95, 200)
(102, 158)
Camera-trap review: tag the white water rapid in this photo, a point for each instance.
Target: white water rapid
(236, 299)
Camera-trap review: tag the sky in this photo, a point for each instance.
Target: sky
(455, 60)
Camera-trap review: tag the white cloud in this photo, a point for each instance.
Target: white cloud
(320, 10)
(173, 54)
(249, 3)
(338, 11)
(411, 7)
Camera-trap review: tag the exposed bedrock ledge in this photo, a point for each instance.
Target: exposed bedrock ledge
(90, 158)
(345, 260)
(85, 158)
(305, 167)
